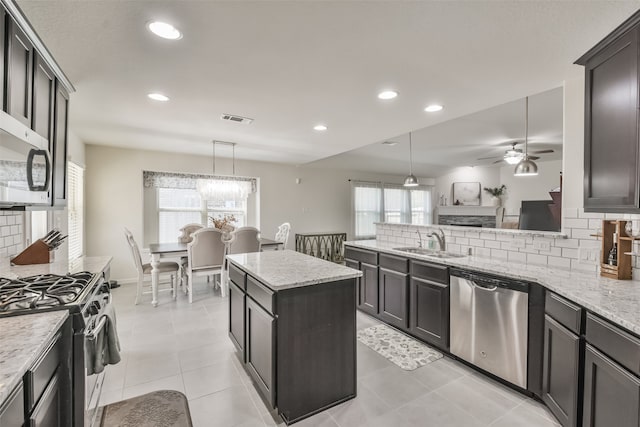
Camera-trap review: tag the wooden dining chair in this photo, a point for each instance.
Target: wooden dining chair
(241, 241)
(205, 256)
(173, 268)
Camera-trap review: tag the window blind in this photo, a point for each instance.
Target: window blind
(75, 182)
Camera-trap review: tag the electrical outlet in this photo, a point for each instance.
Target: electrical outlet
(588, 255)
(518, 243)
(541, 245)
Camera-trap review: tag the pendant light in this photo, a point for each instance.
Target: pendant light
(410, 180)
(219, 189)
(526, 167)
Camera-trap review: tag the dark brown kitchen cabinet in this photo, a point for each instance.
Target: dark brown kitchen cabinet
(19, 67)
(611, 140)
(394, 297)
(47, 411)
(368, 289)
(611, 393)
(237, 299)
(12, 410)
(43, 98)
(429, 311)
(367, 292)
(59, 145)
(260, 335)
(561, 372)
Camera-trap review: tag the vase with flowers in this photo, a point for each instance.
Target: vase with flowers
(223, 222)
(496, 193)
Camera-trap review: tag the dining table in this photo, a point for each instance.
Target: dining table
(177, 250)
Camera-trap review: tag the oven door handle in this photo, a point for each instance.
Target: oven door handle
(96, 330)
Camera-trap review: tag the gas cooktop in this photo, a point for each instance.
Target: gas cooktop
(43, 291)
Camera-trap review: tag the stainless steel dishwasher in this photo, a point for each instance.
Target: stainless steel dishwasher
(488, 317)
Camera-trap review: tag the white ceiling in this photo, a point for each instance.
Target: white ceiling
(291, 65)
(463, 141)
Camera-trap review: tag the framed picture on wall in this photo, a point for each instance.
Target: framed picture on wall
(466, 193)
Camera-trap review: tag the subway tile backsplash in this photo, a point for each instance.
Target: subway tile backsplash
(11, 233)
(579, 250)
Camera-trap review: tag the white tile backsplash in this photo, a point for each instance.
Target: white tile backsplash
(12, 232)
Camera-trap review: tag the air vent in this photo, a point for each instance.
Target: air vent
(236, 119)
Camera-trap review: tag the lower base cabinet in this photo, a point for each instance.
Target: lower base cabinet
(394, 298)
(429, 312)
(260, 363)
(561, 372)
(368, 289)
(611, 393)
(236, 318)
(47, 411)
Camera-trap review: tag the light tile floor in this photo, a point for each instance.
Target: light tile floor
(185, 347)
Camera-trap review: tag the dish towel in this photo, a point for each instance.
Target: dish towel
(103, 348)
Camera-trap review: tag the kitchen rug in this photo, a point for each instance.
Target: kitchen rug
(404, 351)
(162, 408)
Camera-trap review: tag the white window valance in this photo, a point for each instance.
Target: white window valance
(153, 179)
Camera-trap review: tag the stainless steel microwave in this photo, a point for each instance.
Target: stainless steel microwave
(25, 165)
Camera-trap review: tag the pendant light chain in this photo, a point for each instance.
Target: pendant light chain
(526, 127)
(410, 156)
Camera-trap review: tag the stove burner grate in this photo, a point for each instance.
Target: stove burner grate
(43, 290)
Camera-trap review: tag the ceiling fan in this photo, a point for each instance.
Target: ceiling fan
(513, 155)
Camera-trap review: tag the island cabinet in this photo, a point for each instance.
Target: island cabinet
(393, 287)
(368, 291)
(297, 337)
(611, 140)
(562, 361)
(429, 309)
(611, 375)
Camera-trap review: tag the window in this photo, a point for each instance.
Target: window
(378, 202)
(180, 206)
(75, 175)
(172, 200)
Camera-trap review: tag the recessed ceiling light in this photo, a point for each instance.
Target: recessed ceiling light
(158, 97)
(164, 30)
(387, 94)
(433, 108)
(390, 143)
(320, 127)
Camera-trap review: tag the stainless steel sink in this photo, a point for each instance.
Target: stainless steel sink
(429, 252)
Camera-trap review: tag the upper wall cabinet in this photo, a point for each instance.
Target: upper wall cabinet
(19, 57)
(612, 143)
(58, 146)
(43, 94)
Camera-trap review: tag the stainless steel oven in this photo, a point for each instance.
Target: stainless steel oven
(25, 165)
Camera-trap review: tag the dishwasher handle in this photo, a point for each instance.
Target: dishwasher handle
(489, 281)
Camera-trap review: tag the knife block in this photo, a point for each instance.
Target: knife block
(36, 253)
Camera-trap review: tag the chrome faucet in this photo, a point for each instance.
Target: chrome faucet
(419, 239)
(439, 235)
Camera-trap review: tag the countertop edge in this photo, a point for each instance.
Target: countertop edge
(531, 277)
(7, 388)
(300, 284)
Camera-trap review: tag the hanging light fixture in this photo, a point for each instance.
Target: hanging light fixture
(219, 188)
(410, 180)
(513, 156)
(526, 167)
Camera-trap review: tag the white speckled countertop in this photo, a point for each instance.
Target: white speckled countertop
(288, 269)
(22, 340)
(616, 300)
(91, 264)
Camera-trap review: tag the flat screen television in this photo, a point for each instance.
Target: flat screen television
(536, 215)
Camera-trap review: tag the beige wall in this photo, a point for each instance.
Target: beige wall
(114, 196)
(487, 177)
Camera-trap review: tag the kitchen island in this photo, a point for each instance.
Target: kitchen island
(292, 318)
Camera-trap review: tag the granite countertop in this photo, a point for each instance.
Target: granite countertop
(22, 340)
(615, 300)
(289, 269)
(91, 264)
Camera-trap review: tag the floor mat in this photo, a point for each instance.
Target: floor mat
(163, 408)
(404, 351)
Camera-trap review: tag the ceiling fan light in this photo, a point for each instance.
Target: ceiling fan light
(526, 168)
(410, 181)
(513, 159)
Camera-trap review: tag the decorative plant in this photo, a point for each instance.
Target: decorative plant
(496, 191)
(224, 223)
